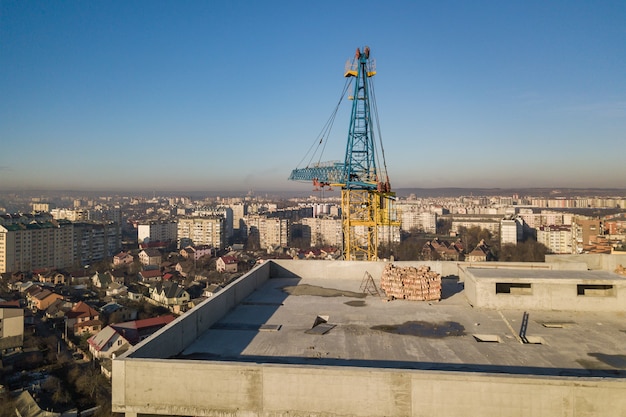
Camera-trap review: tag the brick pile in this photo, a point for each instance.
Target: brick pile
(410, 283)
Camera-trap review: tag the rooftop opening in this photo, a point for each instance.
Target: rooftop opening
(320, 326)
(535, 340)
(557, 324)
(487, 338)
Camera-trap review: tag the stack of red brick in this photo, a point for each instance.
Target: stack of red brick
(409, 283)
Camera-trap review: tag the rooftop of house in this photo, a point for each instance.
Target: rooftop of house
(321, 320)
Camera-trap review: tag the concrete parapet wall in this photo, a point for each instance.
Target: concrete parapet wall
(593, 261)
(175, 337)
(202, 388)
(346, 269)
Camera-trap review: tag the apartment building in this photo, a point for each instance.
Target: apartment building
(583, 229)
(94, 242)
(557, 238)
(272, 232)
(157, 231)
(511, 230)
(323, 231)
(36, 245)
(74, 215)
(202, 231)
(412, 218)
(490, 222)
(220, 211)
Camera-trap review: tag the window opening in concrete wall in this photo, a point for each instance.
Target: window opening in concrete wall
(595, 290)
(515, 288)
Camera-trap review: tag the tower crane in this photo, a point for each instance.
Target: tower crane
(367, 203)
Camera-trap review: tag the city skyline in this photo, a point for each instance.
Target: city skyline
(229, 96)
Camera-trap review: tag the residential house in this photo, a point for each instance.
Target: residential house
(183, 269)
(83, 319)
(196, 252)
(226, 264)
(118, 313)
(150, 256)
(103, 280)
(138, 330)
(58, 309)
(442, 250)
(52, 277)
(169, 294)
(118, 337)
(150, 276)
(481, 253)
(116, 290)
(40, 298)
(122, 258)
(107, 342)
(211, 290)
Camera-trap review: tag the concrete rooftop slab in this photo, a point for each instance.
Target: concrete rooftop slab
(272, 325)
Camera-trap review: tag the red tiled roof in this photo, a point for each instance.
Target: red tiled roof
(145, 323)
(229, 259)
(151, 273)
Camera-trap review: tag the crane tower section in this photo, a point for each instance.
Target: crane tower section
(367, 202)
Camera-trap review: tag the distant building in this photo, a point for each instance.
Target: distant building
(150, 256)
(322, 231)
(583, 232)
(118, 337)
(83, 319)
(511, 230)
(558, 239)
(157, 231)
(96, 241)
(41, 298)
(481, 253)
(202, 231)
(48, 244)
(122, 258)
(226, 264)
(489, 222)
(413, 218)
(271, 232)
(11, 326)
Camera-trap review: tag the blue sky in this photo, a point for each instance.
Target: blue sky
(230, 95)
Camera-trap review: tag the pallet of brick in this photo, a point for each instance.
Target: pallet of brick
(410, 283)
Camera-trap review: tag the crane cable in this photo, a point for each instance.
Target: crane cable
(380, 138)
(325, 132)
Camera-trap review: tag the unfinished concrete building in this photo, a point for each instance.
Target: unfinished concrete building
(301, 338)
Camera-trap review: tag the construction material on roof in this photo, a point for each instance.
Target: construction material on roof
(410, 283)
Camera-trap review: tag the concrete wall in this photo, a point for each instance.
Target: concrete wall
(350, 269)
(176, 336)
(594, 261)
(201, 388)
(547, 294)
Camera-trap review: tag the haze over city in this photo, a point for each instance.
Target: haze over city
(230, 95)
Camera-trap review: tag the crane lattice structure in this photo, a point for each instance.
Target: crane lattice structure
(367, 202)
